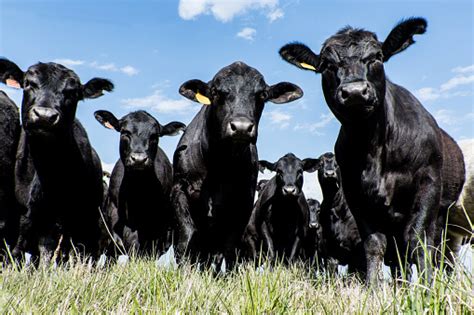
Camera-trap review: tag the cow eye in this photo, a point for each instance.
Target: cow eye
(126, 134)
(29, 84)
(264, 95)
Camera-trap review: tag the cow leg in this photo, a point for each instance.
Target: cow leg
(295, 248)
(268, 241)
(374, 245)
(422, 225)
(186, 227)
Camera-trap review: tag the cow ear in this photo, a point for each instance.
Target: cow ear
(284, 92)
(301, 56)
(95, 87)
(107, 119)
(262, 165)
(311, 165)
(11, 74)
(196, 91)
(401, 36)
(172, 129)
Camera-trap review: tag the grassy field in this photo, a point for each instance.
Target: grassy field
(141, 286)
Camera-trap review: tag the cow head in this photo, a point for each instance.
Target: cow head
(139, 136)
(50, 94)
(351, 64)
(289, 169)
(314, 210)
(237, 95)
(328, 172)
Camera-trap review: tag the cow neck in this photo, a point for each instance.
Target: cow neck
(52, 153)
(329, 190)
(141, 187)
(140, 179)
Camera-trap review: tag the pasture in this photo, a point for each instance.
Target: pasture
(142, 287)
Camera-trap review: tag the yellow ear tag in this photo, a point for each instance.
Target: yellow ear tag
(202, 99)
(307, 66)
(13, 83)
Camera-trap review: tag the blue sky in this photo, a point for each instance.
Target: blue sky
(149, 48)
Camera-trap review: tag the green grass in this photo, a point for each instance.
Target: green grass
(141, 287)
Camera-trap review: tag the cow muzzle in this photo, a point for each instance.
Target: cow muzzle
(242, 129)
(139, 161)
(42, 118)
(290, 190)
(357, 94)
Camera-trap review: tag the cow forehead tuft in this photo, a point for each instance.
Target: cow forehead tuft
(51, 71)
(349, 36)
(239, 69)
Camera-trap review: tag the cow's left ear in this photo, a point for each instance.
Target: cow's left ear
(172, 129)
(95, 88)
(11, 74)
(311, 165)
(283, 92)
(401, 36)
(197, 91)
(262, 165)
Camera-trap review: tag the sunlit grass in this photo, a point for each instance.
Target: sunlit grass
(142, 286)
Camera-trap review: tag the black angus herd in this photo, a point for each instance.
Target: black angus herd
(389, 184)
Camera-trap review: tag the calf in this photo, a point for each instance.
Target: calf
(395, 161)
(461, 215)
(52, 143)
(138, 202)
(340, 237)
(280, 216)
(216, 161)
(9, 134)
(315, 233)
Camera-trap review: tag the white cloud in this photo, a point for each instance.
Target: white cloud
(456, 81)
(280, 118)
(160, 103)
(445, 90)
(315, 128)
(129, 70)
(225, 10)
(464, 69)
(247, 33)
(449, 117)
(275, 14)
(69, 62)
(427, 94)
(111, 67)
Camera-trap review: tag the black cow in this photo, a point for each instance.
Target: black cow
(280, 217)
(315, 233)
(54, 143)
(9, 135)
(138, 203)
(216, 161)
(395, 161)
(341, 239)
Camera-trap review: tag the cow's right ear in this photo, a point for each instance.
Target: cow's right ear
(262, 165)
(11, 74)
(196, 91)
(107, 119)
(301, 56)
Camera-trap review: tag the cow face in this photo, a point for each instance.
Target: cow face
(50, 94)
(139, 136)
(289, 171)
(314, 210)
(329, 170)
(351, 64)
(237, 95)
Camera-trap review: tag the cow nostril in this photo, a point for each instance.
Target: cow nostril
(344, 94)
(250, 128)
(233, 127)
